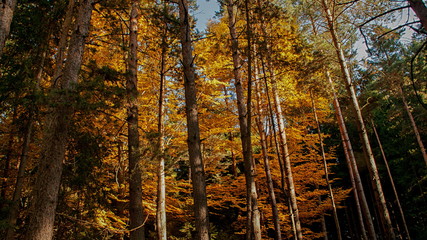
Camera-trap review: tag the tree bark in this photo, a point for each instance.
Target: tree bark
(267, 168)
(402, 215)
(56, 133)
(194, 148)
(325, 166)
(136, 209)
(287, 161)
(359, 193)
(14, 206)
(365, 140)
(420, 10)
(414, 126)
(161, 183)
(253, 221)
(7, 8)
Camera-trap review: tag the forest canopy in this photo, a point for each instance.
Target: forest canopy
(284, 119)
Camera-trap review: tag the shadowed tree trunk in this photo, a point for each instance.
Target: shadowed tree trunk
(414, 126)
(402, 215)
(50, 167)
(7, 8)
(253, 215)
(194, 148)
(359, 193)
(325, 166)
(420, 10)
(14, 206)
(372, 166)
(136, 210)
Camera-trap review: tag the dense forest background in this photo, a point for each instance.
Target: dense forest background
(120, 120)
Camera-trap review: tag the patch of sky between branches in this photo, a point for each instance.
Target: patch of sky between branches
(205, 12)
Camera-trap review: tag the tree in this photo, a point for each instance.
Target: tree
(56, 132)
(193, 131)
(136, 210)
(360, 122)
(253, 221)
(7, 8)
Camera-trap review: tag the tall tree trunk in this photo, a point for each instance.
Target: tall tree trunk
(267, 168)
(253, 221)
(420, 10)
(194, 148)
(56, 133)
(250, 168)
(7, 8)
(325, 166)
(414, 126)
(283, 180)
(402, 215)
(161, 183)
(136, 209)
(359, 193)
(365, 140)
(14, 207)
(287, 161)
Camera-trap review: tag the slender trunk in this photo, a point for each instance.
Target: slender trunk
(7, 7)
(391, 180)
(194, 148)
(14, 208)
(250, 166)
(420, 10)
(161, 183)
(284, 184)
(323, 220)
(414, 126)
(253, 220)
(136, 209)
(287, 160)
(267, 169)
(325, 166)
(365, 140)
(56, 133)
(359, 193)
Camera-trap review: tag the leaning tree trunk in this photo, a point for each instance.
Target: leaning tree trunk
(365, 139)
(414, 126)
(420, 10)
(402, 215)
(7, 7)
(136, 210)
(287, 161)
(194, 148)
(253, 220)
(325, 166)
(267, 168)
(14, 205)
(359, 193)
(48, 179)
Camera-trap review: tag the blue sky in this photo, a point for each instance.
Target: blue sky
(205, 12)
